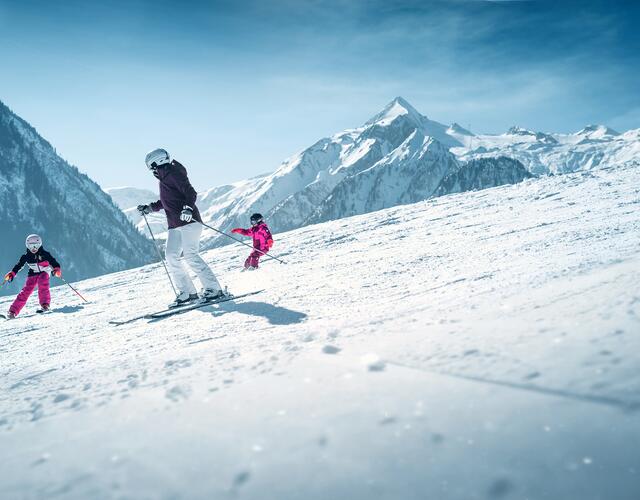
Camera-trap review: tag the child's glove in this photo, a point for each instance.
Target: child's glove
(9, 276)
(237, 230)
(269, 244)
(57, 272)
(144, 209)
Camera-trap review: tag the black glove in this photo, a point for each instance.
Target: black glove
(187, 214)
(144, 209)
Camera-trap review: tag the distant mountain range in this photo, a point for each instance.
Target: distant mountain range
(41, 193)
(400, 156)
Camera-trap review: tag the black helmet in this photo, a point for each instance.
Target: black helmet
(256, 219)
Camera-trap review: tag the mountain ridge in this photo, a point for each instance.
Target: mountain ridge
(313, 183)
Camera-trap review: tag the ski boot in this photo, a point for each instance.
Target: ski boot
(183, 299)
(44, 308)
(212, 294)
(11, 315)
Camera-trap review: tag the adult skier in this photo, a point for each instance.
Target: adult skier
(262, 240)
(41, 265)
(178, 200)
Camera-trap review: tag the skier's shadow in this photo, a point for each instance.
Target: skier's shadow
(276, 315)
(68, 309)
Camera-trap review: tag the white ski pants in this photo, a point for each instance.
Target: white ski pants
(185, 240)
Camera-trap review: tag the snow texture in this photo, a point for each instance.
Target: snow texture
(480, 345)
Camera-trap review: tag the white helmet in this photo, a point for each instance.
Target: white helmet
(33, 242)
(156, 158)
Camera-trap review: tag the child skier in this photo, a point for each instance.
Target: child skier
(41, 265)
(262, 240)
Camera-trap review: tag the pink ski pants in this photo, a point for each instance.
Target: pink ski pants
(41, 280)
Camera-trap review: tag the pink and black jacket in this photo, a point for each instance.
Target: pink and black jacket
(175, 192)
(262, 239)
(39, 262)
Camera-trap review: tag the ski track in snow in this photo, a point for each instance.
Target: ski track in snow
(533, 287)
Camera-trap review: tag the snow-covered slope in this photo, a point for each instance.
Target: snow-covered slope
(40, 192)
(478, 345)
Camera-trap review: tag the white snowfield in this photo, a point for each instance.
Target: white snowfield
(475, 346)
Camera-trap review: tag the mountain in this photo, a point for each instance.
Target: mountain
(550, 153)
(482, 173)
(128, 199)
(41, 193)
(411, 173)
(400, 156)
(475, 346)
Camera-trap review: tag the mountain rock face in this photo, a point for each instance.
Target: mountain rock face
(41, 193)
(411, 173)
(482, 173)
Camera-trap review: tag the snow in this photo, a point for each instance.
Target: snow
(478, 345)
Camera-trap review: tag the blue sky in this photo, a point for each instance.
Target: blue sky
(233, 88)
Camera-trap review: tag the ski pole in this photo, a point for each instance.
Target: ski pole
(245, 244)
(76, 291)
(155, 244)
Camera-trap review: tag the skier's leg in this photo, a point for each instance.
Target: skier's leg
(252, 260)
(44, 295)
(191, 245)
(24, 295)
(174, 262)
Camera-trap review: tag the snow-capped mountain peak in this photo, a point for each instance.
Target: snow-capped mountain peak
(456, 128)
(516, 130)
(397, 107)
(597, 132)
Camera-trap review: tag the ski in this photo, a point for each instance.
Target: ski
(165, 313)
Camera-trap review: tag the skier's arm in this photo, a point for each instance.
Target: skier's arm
(244, 232)
(156, 206)
(20, 264)
(52, 260)
(188, 192)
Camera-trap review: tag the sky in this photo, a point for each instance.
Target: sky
(232, 88)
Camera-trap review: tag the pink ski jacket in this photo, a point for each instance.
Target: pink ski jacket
(262, 239)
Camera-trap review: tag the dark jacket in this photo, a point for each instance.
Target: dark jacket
(39, 262)
(175, 192)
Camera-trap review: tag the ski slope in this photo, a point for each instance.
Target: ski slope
(472, 346)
